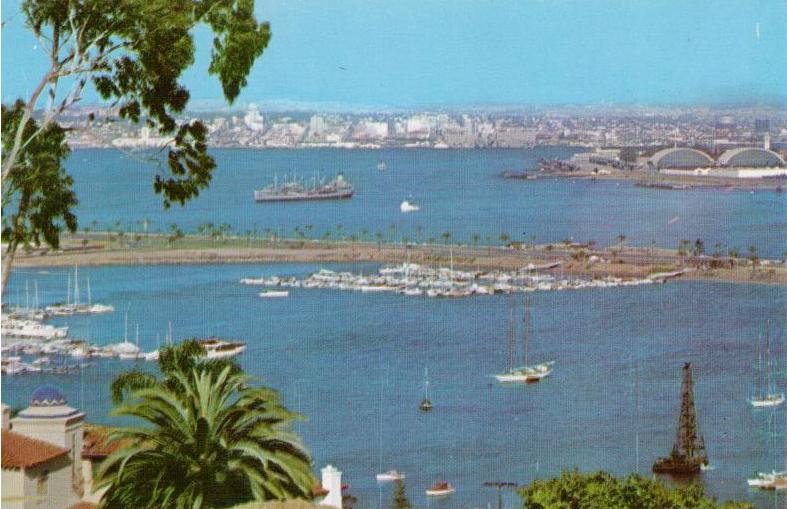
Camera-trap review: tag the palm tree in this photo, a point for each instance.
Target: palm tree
(683, 248)
(208, 439)
(753, 258)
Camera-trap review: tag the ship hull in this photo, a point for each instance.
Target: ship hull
(260, 198)
(678, 468)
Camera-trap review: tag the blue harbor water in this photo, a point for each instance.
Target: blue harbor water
(459, 192)
(354, 364)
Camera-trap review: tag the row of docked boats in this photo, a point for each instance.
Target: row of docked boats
(71, 306)
(43, 352)
(412, 279)
(30, 329)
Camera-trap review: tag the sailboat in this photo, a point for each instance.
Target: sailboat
(127, 350)
(390, 475)
(526, 373)
(381, 165)
(426, 403)
(75, 307)
(768, 397)
(773, 480)
(96, 308)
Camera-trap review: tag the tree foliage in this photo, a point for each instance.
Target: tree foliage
(180, 358)
(208, 439)
(400, 500)
(601, 490)
(37, 184)
(133, 52)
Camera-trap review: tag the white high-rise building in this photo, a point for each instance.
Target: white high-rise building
(316, 125)
(253, 120)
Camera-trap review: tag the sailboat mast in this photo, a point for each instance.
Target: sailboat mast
(525, 326)
(426, 383)
(511, 337)
(27, 294)
(768, 386)
(76, 287)
(89, 296)
(125, 329)
(35, 285)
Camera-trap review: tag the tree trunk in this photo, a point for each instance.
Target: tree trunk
(8, 262)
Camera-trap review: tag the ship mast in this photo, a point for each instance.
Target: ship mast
(511, 336)
(525, 326)
(689, 441)
(768, 386)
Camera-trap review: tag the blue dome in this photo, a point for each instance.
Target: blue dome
(47, 395)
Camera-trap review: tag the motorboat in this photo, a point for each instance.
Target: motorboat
(406, 207)
(440, 489)
(274, 294)
(389, 476)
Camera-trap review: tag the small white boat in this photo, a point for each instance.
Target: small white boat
(100, 308)
(526, 374)
(253, 281)
(389, 476)
(220, 349)
(768, 400)
(80, 352)
(406, 206)
(274, 294)
(440, 489)
(769, 481)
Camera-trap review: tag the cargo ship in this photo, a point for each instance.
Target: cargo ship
(336, 189)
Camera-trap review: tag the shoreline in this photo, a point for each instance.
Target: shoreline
(631, 262)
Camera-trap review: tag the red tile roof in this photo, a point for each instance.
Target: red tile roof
(20, 451)
(96, 443)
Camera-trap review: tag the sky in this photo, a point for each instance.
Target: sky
(453, 53)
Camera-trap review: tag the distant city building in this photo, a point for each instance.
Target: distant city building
(316, 125)
(762, 125)
(677, 158)
(253, 120)
(418, 127)
(746, 162)
(371, 130)
(751, 158)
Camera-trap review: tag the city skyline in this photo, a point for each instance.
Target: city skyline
(534, 53)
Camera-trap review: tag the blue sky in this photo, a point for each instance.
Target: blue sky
(415, 53)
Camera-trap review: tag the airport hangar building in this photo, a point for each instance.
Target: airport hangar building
(747, 162)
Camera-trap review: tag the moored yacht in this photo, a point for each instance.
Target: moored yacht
(440, 489)
(525, 373)
(391, 475)
(216, 348)
(769, 481)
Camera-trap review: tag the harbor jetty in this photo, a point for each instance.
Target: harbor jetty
(567, 259)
